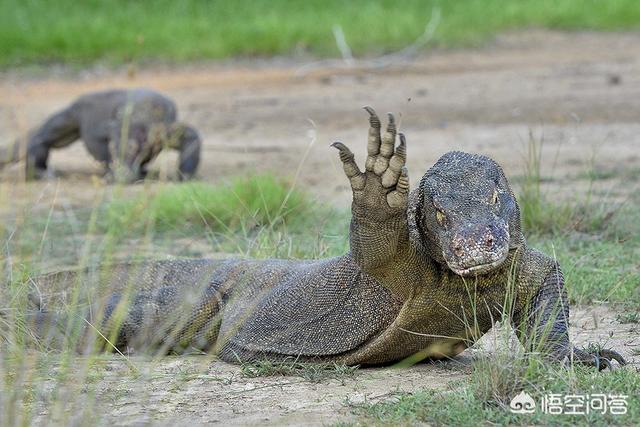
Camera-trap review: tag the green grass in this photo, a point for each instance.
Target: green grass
(484, 398)
(41, 31)
(257, 216)
(542, 216)
(243, 203)
(596, 269)
(629, 317)
(596, 240)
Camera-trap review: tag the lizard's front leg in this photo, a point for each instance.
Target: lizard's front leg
(187, 141)
(380, 194)
(544, 327)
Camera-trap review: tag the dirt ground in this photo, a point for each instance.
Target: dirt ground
(578, 92)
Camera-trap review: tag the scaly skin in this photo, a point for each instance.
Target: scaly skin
(145, 119)
(428, 273)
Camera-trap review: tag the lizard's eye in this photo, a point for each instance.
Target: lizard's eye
(494, 197)
(440, 217)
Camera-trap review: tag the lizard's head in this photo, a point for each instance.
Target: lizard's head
(127, 151)
(465, 214)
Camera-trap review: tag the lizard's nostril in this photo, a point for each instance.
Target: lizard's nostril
(457, 249)
(489, 241)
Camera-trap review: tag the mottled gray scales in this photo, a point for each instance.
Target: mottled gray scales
(428, 273)
(336, 310)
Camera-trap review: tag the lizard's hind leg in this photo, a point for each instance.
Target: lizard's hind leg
(59, 130)
(164, 320)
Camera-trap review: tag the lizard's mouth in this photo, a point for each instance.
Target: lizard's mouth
(474, 249)
(478, 269)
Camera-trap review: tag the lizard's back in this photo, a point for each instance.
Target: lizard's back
(135, 105)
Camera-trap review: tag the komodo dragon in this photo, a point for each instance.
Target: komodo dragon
(427, 274)
(143, 118)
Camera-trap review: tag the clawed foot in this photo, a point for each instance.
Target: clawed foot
(120, 174)
(385, 177)
(38, 174)
(599, 358)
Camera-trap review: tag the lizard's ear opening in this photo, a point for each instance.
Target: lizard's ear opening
(515, 227)
(414, 218)
(511, 210)
(419, 234)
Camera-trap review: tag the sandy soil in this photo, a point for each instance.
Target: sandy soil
(578, 92)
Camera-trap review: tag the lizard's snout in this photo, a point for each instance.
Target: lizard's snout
(475, 249)
(477, 239)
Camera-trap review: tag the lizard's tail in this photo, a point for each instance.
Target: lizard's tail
(10, 154)
(36, 327)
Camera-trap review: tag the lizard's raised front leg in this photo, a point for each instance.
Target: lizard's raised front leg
(543, 327)
(380, 195)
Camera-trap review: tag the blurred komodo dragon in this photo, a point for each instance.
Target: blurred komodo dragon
(428, 273)
(145, 119)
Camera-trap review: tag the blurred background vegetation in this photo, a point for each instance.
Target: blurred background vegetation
(116, 31)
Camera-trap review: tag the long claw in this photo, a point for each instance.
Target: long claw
(401, 153)
(345, 154)
(374, 140)
(340, 146)
(392, 121)
(356, 178)
(374, 121)
(396, 164)
(389, 138)
(386, 148)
